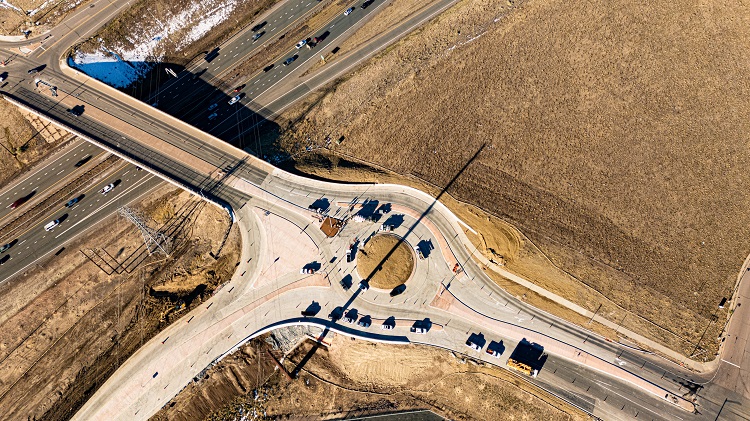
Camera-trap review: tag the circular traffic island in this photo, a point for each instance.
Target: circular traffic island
(385, 262)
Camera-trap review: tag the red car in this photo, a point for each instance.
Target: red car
(19, 202)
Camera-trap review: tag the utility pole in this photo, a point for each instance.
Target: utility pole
(150, 236)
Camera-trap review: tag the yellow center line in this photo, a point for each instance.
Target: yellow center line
(4, 221)
(117, 167)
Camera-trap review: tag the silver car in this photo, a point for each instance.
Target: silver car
(51, 225)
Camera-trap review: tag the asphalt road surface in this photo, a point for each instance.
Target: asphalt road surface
(207, 167)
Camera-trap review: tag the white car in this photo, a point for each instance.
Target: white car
(212, 116)
(235, 99)
(418, 251)
(2, 78)
(348, 11)
(387, 327)
(108, 188)
(473, 346)
(301, 44)
(363, 322)
(51, 225)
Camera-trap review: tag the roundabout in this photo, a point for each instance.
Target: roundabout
(385, 262)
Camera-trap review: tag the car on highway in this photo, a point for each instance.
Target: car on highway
(212, 116)
(301, 44)
(20, 201)
(269, 67)
(51, 225)
(257, 27)
(366, 4)
(4, 259)
(290, 60)
(5, 247)
(239, 88)
(83, 161)
(387, 326)
(72, 202)
(213, 106)
(235, 100)
(258, 35)
(348, 11)
(108, 188)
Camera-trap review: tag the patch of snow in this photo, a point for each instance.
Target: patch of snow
(109, 69)
(146, 43)
(35, 11)
(6, 5)
(214, 17)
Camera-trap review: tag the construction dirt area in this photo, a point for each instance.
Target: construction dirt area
(587, 135)
(66, 325)
(385, 261)
(358, 378)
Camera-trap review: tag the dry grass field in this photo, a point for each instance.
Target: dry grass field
(23, 142)
(612, 136)
(35, 15)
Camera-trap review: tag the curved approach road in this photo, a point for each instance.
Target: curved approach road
(607, 379)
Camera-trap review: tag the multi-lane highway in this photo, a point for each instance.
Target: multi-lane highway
(608, 379)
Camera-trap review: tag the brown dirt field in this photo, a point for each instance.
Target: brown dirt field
(392, 272)
(214, 393)
(65, 325)
(359, 378)
(608, 141)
